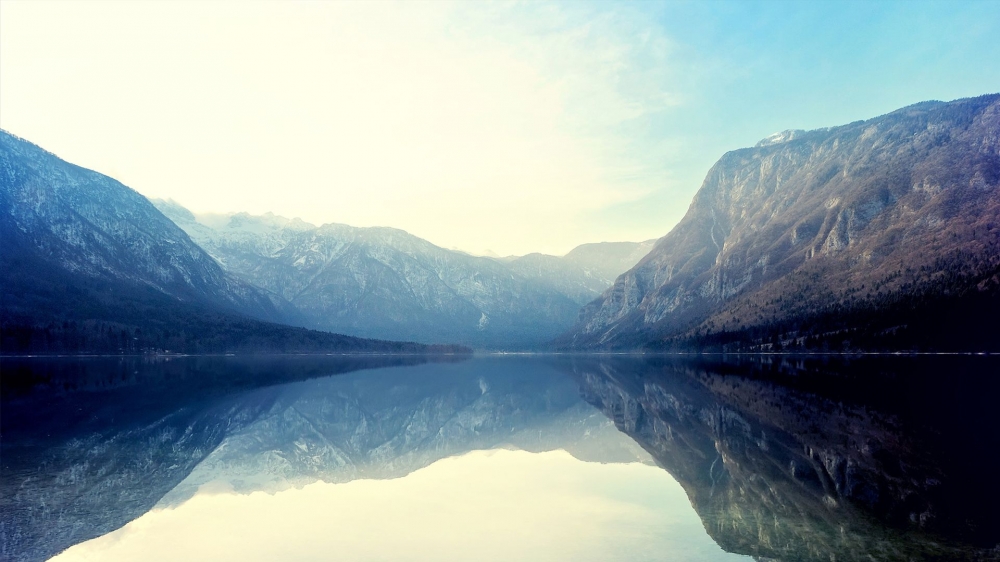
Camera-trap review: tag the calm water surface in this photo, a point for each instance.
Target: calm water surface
(500, 458)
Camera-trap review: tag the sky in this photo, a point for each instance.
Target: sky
(508, 127)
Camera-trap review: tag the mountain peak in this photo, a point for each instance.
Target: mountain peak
(779, 137)
(864, 224)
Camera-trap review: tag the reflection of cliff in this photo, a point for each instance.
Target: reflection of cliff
(779, 472)
(89, 445)
(388, 424)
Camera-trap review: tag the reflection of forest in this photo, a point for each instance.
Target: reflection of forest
(787, 461)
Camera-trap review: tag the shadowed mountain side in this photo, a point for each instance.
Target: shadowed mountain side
(880, 234)
(93, 227)
(801, 462)
(90, 444)
(87, 265)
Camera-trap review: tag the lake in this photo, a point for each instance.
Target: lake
(561, 457)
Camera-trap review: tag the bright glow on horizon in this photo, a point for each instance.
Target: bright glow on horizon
(508, 127)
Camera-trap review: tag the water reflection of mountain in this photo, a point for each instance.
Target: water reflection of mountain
(891, 459)
(88, 445)
(82, 463)
(390, 423)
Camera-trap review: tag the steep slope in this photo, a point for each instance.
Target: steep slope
(586, 271)
(382, 282)
(93, 226)
(89, 265)
(879, 234)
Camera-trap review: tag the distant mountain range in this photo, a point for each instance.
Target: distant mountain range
(878, 235)
(386, 283)
(586, 271)
(88, 264)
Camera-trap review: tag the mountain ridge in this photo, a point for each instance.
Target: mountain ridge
(89, 265)
(831, 239)
(384, 282)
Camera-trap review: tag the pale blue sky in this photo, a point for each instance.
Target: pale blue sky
(511, 127)
(761, 67)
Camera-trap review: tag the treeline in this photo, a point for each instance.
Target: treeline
(224, 335)
(954, 309)
(47, 311)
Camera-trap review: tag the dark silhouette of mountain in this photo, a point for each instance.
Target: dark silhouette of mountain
(89, 265)
(881, 235)
(382, 282)
(816, 460)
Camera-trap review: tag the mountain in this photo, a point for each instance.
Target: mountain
(88, 264)
(93, 226)
(586, 271)
(381, 282)
(880, 234)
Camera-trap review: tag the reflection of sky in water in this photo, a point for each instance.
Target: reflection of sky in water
(484, 505)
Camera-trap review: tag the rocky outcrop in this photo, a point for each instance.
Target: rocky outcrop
(812, 227)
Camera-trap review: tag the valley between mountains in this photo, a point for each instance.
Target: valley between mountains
(879, 235)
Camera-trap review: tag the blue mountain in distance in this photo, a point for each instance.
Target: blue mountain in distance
(878, 235)
(382, 282)
(583, 273)
(386, 283)
(88, 264)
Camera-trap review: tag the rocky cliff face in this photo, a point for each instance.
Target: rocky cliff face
(782, 474)
(60, 217)
(383, 282)
(785, 239)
